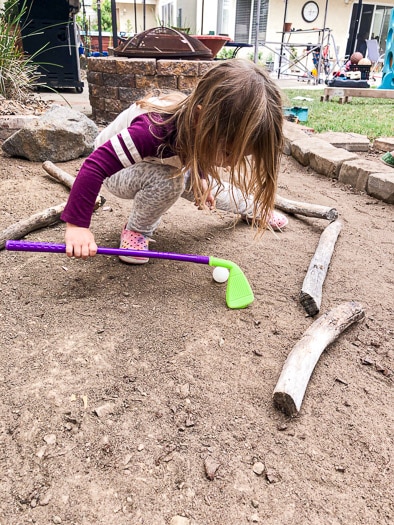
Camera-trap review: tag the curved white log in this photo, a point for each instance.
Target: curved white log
(297, 370)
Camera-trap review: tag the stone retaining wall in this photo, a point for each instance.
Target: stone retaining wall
(116, 82)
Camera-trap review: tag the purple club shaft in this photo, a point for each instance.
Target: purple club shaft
(24, 246)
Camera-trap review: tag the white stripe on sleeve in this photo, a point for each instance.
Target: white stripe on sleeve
(130, 145)
(119, 151)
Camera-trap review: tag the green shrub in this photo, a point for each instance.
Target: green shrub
(106, 15)
(225, 53)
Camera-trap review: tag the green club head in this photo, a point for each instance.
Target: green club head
(238, 292)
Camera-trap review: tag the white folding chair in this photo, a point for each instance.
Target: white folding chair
(373, 53)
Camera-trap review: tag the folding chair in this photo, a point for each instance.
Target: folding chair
(374, 55)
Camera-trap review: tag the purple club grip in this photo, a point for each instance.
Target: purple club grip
(25, 246)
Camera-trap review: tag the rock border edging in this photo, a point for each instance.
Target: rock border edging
(373, 178)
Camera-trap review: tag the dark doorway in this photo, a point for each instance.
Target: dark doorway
(371, 22)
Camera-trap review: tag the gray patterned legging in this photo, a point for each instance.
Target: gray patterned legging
(154, 188)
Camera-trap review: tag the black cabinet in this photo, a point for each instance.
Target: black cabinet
(49, 35)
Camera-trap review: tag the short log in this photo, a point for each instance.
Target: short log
(65, 178)
(58, 174)
(39, 220)
(300, 363)
(48, 216)
(305, 208)
(34, 222)
(312, 287)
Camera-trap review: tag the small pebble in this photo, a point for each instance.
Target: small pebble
(211, 466)
(45, 499)
(104, 410)
(179, 520)
(50, 439)
(189, 421)
(258, 468)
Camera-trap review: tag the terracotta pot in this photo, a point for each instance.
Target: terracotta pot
(213, 42)
(287, 27)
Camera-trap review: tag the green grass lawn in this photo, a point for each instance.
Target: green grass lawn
(368, 116)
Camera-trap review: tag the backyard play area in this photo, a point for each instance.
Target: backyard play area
(134, 395)
(152, 394)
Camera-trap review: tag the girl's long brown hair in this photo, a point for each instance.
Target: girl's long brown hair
(234, 114)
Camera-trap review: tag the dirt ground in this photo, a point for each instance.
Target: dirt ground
(119, 382)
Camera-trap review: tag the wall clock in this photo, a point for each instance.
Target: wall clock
(310, 11)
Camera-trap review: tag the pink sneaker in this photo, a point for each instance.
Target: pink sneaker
(277, 221)
(131, 240)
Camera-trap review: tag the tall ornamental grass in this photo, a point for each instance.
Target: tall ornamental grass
(18, 72)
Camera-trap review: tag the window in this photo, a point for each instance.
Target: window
(167, 13)
(224, 17)
(245, 28)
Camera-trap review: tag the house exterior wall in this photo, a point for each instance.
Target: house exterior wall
(126, 16)
(186, 13)
(338, 18)
(203, 17)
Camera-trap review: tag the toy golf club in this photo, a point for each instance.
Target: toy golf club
(238, 292)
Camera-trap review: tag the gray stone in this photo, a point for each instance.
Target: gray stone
(381, 186)
(104, 410)
(384, 144)
(291, 133)
(357, 172)
(348, 141)
(328, 161)
(9, 124)
(59, 135)
(300, 150)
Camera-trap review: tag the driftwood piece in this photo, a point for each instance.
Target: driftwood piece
(58, 174)
(65, 178)
(46, 217)
(312, 287)
(39, 220)
(298, 367)
(34, 222)
(305, 208)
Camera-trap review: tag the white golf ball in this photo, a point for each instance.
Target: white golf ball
(220, 274)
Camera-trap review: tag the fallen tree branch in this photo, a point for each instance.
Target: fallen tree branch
(298, 367)
(65, 178)
(312, 287)
(304, 208)
(34, 222)
(58, 174)
(39, 220)
(48, 216)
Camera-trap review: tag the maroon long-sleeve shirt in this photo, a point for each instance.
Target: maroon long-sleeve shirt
(139, 141)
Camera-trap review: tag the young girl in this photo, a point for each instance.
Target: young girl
(160, 149)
